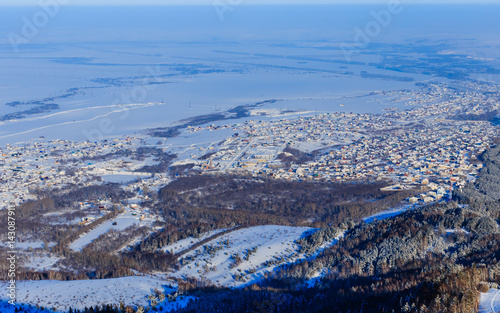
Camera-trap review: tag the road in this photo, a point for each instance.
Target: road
(239, 155)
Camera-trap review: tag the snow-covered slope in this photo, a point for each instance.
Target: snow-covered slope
(85, 293)
(260, 249)
(387, 214)
(122, 222)
(490, 302)
(235, 259)
(185, 244)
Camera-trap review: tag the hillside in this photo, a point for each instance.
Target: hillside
(434, 258)
(235, 243)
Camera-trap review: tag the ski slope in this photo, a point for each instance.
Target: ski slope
(123, 221)
(214, 260)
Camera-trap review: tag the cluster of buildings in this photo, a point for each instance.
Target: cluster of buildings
(432, 146)
(432, 140)
(40, 164)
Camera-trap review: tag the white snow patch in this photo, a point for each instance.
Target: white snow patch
(123, 221)
(453, 231)
(386, 214)
(310, 146)
(79, 294)
(270, 112)
(122, 178)
(271, 243)
(28, 244)
(184, 162)
(41, 262)
(187, 243)
(490, 302)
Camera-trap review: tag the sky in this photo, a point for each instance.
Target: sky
(222, 2)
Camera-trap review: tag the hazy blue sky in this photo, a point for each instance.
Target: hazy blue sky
(211, 2)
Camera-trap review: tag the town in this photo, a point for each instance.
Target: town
(430, 144)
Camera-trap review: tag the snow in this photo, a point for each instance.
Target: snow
(490, 301)
(272, 242)
(41, 262)
(269, 112)
(123, 221)
(29, 244)
(328, 244)
(310, 146)
(184, 244)
(85, 293)
(453, 231)
(121, 178)
(184, 162)
(386, 214)
(100, 110)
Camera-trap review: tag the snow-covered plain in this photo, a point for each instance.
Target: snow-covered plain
(490, 302)
(161, 89)
(272, 243)
(62, 295)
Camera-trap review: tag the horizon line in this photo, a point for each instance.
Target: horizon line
(425, 2)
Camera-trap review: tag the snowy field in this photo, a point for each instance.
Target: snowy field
(123, 221)
(161, 88)
(41, 262)
(271, 245)
(490, 302)
(274, 245)
(121, 178)
(184, 244)
(62, 295)
(387, 214)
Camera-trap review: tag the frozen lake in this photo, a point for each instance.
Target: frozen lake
(133, 100)
(96, 73)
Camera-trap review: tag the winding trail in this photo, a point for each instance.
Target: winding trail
(122, 108)
(495, 307)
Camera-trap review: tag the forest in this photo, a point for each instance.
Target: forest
(189, 206)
